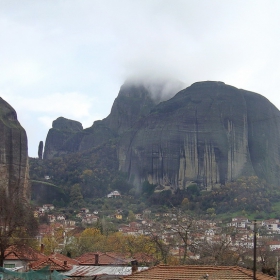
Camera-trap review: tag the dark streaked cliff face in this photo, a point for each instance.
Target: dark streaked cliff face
(210, 133)
(13, 152)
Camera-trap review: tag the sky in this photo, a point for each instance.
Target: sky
(69, 57)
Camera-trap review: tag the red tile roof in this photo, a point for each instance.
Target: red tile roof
(56, 262)
(192, 272)
(22, 253)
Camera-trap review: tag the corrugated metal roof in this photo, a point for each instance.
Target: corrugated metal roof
(88, 271)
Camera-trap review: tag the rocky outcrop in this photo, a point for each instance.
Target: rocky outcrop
(210, 133)
(40, 150)
(132, 103)
(62, 131)
(14, 174)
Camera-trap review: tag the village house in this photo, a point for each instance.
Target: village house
(272, 225)
(138, 216)
(239, 222)
(35, 214)
(90, 219)
(133, 228)
(60, 218)
(56, 262)
(114, 194)
(70, 223)
(51, 218)
(273, 245)
(84, 210)
(80, 215)
(41, 210)
(19, 257)
(48, 207)
(118, 216)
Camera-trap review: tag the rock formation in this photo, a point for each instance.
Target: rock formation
(40, 150)
(61, 131)
(209, 133)
(133, 102)
(13, 153)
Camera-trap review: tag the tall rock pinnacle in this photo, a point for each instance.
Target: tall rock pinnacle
(14, 172)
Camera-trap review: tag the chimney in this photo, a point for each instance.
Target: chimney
(42, 248)
(134, 266)
(96, 259)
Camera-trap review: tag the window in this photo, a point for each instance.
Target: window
(9, 265)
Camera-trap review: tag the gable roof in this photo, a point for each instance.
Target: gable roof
(22, 253)
(195, 272)
(56, 262)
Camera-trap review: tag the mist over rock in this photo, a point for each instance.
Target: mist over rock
(14, 176)
(133, 102)
(209, 133)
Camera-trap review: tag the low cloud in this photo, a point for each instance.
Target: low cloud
(67, 58)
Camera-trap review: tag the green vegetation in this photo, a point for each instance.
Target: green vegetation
(84, 179)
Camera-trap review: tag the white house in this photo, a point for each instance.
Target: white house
(114, 194)
(48, 207)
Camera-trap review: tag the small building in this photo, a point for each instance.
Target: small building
(114, 194)
(60, 218)
(90, 219)
(18, 258)
(51, 218)
(48, 207)
(118, 216)
(56, 262)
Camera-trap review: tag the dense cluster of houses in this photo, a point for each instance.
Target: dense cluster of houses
(147, 221)
(164, 225)
(238, 234)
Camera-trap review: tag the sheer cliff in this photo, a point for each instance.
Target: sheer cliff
(62, 130)
(209, 133)
(13, 153)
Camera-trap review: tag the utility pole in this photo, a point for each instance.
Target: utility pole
(277, 268)
(255, 250)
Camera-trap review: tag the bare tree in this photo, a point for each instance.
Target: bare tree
(17, 223)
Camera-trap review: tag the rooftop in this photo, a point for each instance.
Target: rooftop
(195, 272)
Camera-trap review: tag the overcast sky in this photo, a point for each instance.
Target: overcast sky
(69, 58)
